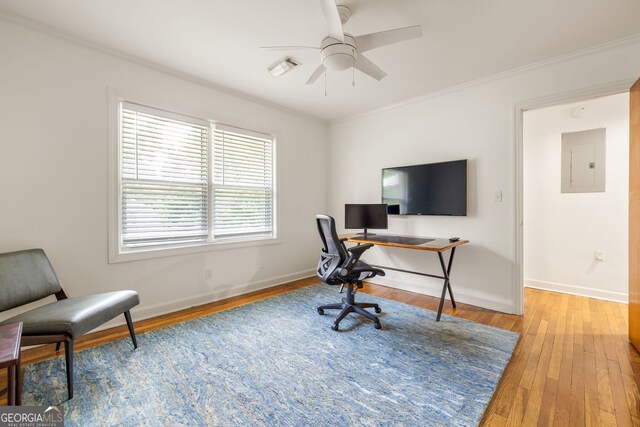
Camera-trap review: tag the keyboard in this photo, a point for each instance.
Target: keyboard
(401, 240)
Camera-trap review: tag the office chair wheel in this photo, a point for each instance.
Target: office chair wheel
(378, 310)
(320, 311)
(334, 326)
(377, 325)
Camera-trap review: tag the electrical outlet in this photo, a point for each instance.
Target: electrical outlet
(208, 274)
(598, 255)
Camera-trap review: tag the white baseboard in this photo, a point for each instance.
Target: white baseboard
(577, 290)
(490, 304)
(146, 312)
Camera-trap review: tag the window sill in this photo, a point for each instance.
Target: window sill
(167, 251)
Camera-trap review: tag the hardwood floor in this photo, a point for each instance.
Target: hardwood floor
(573, 364)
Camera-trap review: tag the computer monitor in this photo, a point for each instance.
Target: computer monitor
(365, 216)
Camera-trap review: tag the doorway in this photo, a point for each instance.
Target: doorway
(567, 98)
(575, 198)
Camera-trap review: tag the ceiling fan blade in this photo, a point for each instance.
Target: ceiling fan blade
(332, 17)
(289, 48)
(374, 40)
(369, 68)
(316, 74)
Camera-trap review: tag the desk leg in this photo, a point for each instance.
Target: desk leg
(453, 252)
(446, 270)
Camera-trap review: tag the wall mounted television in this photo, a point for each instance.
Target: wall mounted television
(430, 189)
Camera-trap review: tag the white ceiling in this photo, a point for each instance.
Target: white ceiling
(218, 40)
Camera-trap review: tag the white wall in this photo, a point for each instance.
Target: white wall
(475, 122)
(562, 230)
(53, 174)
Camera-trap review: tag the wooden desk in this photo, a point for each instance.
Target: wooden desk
(436, 245)
(10, 336)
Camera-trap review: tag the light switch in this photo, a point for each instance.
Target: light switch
(497, 197)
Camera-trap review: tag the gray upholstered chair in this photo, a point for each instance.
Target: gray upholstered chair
(27, 276)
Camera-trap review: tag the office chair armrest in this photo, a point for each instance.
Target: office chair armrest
(358, 270)
(355, 253)
(358, 250)
(344, 239)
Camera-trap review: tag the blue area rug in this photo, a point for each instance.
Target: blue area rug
(277, 362)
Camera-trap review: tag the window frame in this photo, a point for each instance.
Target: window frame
(119, 254)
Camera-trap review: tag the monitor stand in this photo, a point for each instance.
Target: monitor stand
(366, 234)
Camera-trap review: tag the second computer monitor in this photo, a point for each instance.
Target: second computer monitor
(365, 216)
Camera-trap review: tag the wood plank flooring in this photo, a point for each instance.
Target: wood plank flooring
(572, 366)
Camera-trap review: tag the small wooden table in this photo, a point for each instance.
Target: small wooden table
(437, 245)
(10, 336)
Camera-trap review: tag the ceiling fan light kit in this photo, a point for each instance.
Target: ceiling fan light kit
(338, 56)
(341, 51)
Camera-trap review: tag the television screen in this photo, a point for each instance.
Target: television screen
(431, 189)
(365, 216)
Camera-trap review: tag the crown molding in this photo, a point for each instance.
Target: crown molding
(493, 77)
(101, 48)
(152, 65)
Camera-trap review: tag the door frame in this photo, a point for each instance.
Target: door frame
(584, 94)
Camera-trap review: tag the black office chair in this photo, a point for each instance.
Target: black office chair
(339, 266)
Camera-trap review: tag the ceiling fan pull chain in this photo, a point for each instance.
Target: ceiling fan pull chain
(325, 82)
(353, 76)
(353, 69)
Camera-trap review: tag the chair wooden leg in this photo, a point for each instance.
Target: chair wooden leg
(127, 316)
(19, 380)
(68, 350)
(11, 380)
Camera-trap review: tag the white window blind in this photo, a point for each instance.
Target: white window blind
(164, 178)
(242, 182)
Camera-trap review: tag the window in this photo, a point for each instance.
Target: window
(242, 183)
(187, 182)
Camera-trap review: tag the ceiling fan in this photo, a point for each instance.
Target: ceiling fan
(341, 51)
